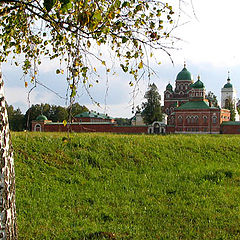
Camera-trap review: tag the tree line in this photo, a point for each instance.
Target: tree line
(19, 121)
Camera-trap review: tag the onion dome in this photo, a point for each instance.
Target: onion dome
(169, 87)
(41, 118)
(184, 74)
(198, 84)
(228, 84)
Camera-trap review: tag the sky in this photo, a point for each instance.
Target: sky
(209, 45)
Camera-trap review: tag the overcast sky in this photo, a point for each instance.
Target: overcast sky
(210, 46)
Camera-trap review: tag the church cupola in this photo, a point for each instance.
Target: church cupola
(169, 88)
(198, 90)
(184, 74)
(228, 84)
(183, 82)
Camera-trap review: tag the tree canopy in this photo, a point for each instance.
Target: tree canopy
(75, 32)
(152, 108)
(212, 98)
(229, 104)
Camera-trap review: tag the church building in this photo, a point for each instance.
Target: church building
(188, 109)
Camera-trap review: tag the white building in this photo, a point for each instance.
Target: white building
(229, 94)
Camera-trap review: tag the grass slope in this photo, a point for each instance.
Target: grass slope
(102, 186)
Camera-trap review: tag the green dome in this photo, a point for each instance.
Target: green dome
(41, 118)
(184, 75)
(198, 84)
(228, 84)
(169, 87)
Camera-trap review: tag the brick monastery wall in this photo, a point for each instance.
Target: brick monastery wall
(95, 128)
(230, 129)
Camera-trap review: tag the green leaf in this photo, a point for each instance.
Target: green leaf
(97, 15)
(124, 40)
(48, 4)
(66, 4)
(124, 68)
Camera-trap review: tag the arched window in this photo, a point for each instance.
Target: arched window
(204, 119)
(188, 119)
(192, 119)
(214, 119)
(196, 119)
(180, 119)
(227, 103)
(37, 128)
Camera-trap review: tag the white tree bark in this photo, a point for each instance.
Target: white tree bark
(8, 227)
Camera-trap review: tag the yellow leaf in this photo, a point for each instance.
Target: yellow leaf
(98, 43)
(88, 44)
(104, 63)
(64, 123)
(26, 84)
(151, 54)
(95, 69)
(108, 70)
(62, 71)
(140, 65)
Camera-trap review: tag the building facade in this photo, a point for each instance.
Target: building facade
(188, 109)
(229, 96)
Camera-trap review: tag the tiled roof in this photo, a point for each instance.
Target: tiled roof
(231, 123)
(194, 105)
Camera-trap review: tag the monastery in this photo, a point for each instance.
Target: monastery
(189, 111)
(186, 108)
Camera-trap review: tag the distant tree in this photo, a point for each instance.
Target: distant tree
(77, 109)
(212, 98)
(238, 107)
(32, 113)
(15, 118)
(52, 112)
(123, 121)
(59, 114)
(138, 109)
(229, 104)
(152, 108)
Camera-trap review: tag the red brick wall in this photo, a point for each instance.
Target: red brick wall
(38, 122)
(170, 129)
(96, 128)
(200, 125)
(230, 129)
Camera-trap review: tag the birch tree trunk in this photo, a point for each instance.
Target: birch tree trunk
(8, 227)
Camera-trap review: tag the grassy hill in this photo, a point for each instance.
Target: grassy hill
(103, 186)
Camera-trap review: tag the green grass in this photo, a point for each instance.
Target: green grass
(103, 186)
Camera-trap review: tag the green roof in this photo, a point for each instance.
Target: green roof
(228, 84)
(231, 123)
(41, 118)
(169, 87)
(184, 75)
(194, 105)
(92, 114)
(198, 84)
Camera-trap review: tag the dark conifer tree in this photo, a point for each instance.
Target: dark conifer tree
(152, 108)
